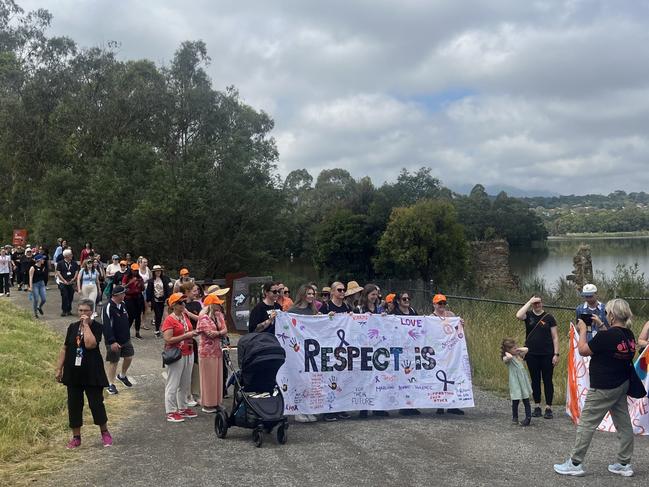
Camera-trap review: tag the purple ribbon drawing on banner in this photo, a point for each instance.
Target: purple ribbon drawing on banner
(441, 376)
(341, 335)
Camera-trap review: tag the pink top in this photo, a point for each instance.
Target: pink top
(210, 347)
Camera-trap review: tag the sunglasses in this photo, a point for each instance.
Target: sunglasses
(274, 291)
(405, 299)
(325, 295)
(341, 290)
(442, 303)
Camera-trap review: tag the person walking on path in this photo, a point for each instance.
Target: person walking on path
(157, 292)
(88, 281)
(177, 332)
(134, 299)
(542, 342)
(611, 366)
(81, 369)
(6, 268)
(67, 271)
(37, 276)
(118, 338)
(212, 329)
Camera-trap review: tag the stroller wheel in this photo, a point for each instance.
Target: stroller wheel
(221, 424)
(258, 437)
(282, 433)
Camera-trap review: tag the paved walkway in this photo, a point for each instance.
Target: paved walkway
(481, 448)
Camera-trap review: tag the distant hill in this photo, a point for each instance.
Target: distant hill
(465, 189)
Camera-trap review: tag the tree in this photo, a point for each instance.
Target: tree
(425, 241)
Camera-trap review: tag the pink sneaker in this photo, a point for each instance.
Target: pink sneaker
(175, 417)
(106, 439)
(74, 443)
(188, 413)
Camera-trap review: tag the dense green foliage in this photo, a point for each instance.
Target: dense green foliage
(152, 160)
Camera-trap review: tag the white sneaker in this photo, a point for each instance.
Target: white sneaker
(569, 468)
(312, 418)
(191, 403)
(302, 418)
(619, 469)
(208, 410)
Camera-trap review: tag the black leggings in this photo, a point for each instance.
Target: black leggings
(540, 366)
(526, 404)
(134, 309)
(95, 397)
(158, 311)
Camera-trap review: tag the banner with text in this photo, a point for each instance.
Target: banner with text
(373, 362)
(579, 383)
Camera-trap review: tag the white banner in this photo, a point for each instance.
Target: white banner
(579, 383)
(372, 362)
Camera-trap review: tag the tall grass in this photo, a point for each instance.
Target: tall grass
(33, 407)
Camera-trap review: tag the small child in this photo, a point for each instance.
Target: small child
(519, 381)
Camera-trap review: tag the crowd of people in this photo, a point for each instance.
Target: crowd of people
(190, 319)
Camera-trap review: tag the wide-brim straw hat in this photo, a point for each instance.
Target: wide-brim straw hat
(352, 288)
(216, 289)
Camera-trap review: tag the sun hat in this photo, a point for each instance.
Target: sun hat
(216, 290)
(118, 290)
(176, 297)
(157, 268)
(212, 299)
(438, 297)
(135, 266)
(326, 289)
(588, 290)
(390, 297)
(184, 272)
(352, 288)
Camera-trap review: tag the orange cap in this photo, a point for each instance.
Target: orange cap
(174, 298)
(212, 299)
(390, 297)
(438, 297)
(135, 266)
(184, 271)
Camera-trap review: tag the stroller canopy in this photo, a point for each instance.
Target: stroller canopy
(260, 357)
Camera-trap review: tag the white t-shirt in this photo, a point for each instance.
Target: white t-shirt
(5, 264)
(111, 269)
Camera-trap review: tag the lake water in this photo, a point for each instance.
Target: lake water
(555, 260)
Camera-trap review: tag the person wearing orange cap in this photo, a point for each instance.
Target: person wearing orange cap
(389, 303)
(178, 332)
(184, 277)
(211, 328)
(134, 300)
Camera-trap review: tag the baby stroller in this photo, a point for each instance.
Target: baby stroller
(258, 403)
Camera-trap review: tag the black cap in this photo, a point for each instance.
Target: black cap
(118, 290)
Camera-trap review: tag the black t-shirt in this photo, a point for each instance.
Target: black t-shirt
(538, 339)
(68, 270)
(260, 313)
(613, 351)
(91, 372)
(397, 311)
(40, 273)
(194, 307)
(26, 263)
(330, 306)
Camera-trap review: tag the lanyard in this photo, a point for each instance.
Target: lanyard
(79, 352)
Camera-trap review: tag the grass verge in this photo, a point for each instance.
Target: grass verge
(33, 410)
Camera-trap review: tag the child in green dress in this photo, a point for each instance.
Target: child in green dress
(520, 387)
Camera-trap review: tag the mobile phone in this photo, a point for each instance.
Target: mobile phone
(586, 318)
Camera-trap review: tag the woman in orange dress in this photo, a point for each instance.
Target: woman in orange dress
(211, 328)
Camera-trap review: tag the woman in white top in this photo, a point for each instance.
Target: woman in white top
(88, 282)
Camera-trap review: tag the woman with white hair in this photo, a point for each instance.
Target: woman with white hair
(611, 366)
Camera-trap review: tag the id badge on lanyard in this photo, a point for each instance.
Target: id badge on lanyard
(79, 354)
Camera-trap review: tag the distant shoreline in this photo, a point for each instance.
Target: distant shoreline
(601, 235)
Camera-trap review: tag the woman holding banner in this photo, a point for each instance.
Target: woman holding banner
(611, 353)
(304, 301)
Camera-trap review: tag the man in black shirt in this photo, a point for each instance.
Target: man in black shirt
(262, 316)
(26, 262)
(66, 277)
(117, 336)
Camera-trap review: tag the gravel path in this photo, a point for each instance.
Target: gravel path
(481, 448)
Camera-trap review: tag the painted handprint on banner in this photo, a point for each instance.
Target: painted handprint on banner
(332, 383)
(284, 384)
(294, 345)
(414, 334)
(372, 333)
(407, 366)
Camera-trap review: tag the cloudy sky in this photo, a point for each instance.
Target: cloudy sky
(542, 95)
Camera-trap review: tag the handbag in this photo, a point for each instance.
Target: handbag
(636, 387)
(170, 355)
